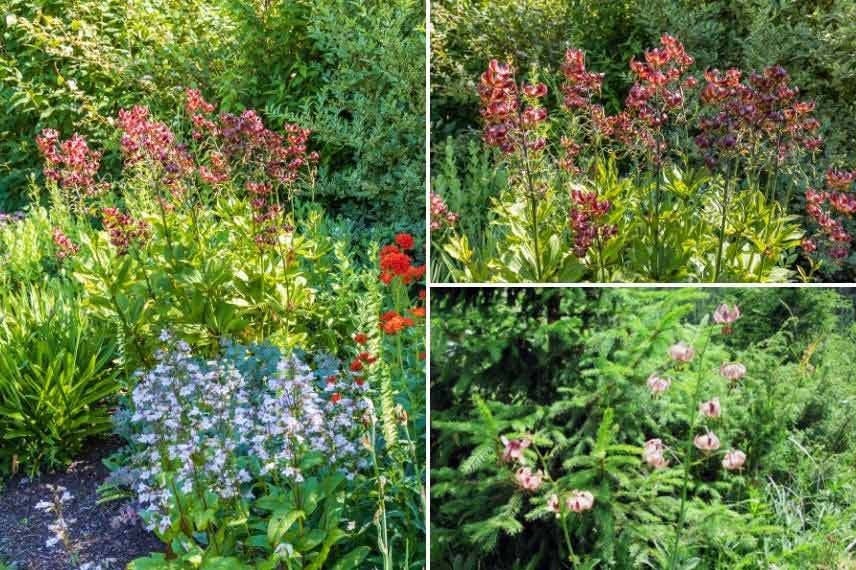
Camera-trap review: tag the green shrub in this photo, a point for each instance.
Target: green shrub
(369, 114)
(73, 65)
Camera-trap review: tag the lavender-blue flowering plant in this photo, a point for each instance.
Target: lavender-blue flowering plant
(234, 456)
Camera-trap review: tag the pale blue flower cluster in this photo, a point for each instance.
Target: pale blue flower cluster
(217, 426)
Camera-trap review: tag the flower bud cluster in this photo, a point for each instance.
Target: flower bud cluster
(65, 247)
(586, 220)
(124, 230)
(441, 216)
(761, 110)
(654, 450)
(831, 235)
(71, 163)
(511, 114)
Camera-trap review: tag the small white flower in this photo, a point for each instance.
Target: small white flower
(284, 550)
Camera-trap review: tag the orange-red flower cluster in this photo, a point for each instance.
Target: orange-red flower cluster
(393, 323)
(395, 263)
(362, 358)
(404, 241)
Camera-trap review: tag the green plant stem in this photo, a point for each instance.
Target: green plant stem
(718, 265)
(688, 449)
(146, 275)
(601, 263)
(284, 256)
(656, 264)
(166, 231)
(533, 211)
(533, 203)
(571, 556)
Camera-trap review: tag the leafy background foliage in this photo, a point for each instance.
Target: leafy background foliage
(352, 71)
(568, 366)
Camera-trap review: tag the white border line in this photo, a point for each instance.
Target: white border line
(427, 200)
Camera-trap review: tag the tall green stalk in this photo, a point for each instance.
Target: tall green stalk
(688, 450)
(571, 556)
(533, 210)
(728, 175)
(656, 264)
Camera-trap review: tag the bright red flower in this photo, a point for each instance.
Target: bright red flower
(397, 263)
(196, 102)
(414, 273)
(331, 380)
(367, 358)
(356, 366)
(393, 323)
(404, 241)
(361, 338)
(71, 163)
(335, 398)
(418, 312)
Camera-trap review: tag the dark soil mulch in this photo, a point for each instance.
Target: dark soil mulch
(95, 532)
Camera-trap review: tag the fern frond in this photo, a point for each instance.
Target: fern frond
(479, 457)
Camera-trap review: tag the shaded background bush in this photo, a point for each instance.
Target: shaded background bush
(551, 361)
(351, 71)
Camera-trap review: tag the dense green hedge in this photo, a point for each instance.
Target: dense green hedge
(352, 71)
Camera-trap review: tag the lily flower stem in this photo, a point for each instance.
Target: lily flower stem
(688, 449)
